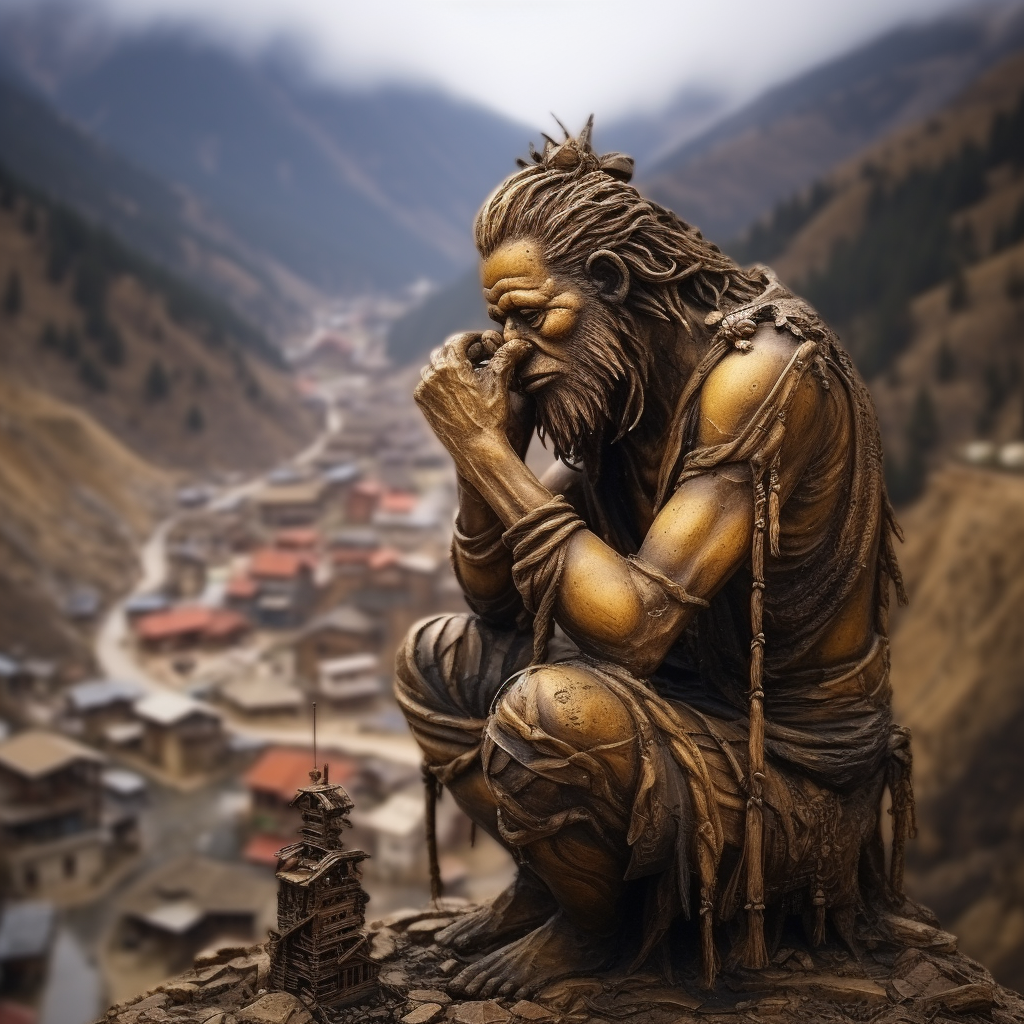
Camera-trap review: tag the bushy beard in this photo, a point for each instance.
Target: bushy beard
(601, 395)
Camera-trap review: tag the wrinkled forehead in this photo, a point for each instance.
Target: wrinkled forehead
(513, 265)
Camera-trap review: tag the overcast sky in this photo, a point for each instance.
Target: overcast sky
(528, 57)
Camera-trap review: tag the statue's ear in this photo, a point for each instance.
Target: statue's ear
(611, 276)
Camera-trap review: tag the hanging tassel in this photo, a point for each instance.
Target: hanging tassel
(755, 955)
(708, 953)
(432, 790)
(904, 817)
(819, 918)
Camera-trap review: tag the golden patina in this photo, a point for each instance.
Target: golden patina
(671, 698)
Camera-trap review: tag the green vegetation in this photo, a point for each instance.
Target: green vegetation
(194, 420)
(769, 236)
(945, 363)
(12, 294)
(907, 244)
(157, 385)
(96, 258)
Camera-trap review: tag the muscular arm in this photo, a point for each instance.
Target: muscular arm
(698, 540)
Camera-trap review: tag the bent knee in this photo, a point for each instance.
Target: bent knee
(572, 704)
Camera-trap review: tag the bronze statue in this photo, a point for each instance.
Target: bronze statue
(672, 701)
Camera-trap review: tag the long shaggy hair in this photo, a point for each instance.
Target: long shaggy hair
(575, 203)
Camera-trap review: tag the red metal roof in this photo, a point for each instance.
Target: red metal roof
(242, 586)
(15, 1013)
(383, 558)
(176, 622)
(398, 501)
(262, 849)
(225, 623)
(271, 562)
(214, 623)
(282, 770)
(297, 539)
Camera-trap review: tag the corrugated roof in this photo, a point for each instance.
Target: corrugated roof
(284, 770)
(166, 708)
(277, 564)
(98, 693)
(36, 753)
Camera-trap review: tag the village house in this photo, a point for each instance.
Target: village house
(293, 504)
(52, 840)
(261, 696)
(181, 908)
(146, 604)
(304, 540)
(181, 736)
(125, 797)
(272, 782)
(349, 678)
(342, 631)
(190, 626)
(285, 587)
(362, 502)
(97, 704)
(187, 568)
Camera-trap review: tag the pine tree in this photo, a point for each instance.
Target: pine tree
(945, 363)
(194, 420)
(157, 384)
(12, 294)
(959, 293)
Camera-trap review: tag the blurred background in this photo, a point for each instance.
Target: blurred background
(228, 239)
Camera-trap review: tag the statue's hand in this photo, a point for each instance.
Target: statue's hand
(466, 403)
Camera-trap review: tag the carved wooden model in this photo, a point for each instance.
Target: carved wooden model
(672, 700)
(319, 951)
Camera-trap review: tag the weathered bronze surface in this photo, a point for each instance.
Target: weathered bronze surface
(671, 703)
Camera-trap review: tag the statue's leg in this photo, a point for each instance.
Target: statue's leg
(561, 758)
(447, 673)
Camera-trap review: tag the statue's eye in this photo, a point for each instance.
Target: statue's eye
(533, 317)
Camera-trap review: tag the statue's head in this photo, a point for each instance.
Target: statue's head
(581, 265)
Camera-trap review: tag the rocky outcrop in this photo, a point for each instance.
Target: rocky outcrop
(911, 975)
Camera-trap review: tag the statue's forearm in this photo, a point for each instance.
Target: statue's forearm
(609, 608)
(482, 563)
(617, 608)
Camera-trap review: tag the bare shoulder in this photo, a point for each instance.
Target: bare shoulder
(738, 386)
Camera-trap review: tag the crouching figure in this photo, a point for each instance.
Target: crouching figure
(671, 702)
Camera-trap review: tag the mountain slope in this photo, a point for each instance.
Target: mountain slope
(74, 505)
(734, 172)
(168, 225)
(958, 670)
(348, 189)
(175, 375)
(915, 252)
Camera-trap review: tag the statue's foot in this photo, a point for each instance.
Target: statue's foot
(524, 905)
(557, 949)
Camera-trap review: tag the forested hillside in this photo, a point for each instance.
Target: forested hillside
(179, 377)
(915, 252)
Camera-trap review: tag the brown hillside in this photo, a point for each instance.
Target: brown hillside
(177, 393)
(74, 505)
(968, 355)
(958, 674)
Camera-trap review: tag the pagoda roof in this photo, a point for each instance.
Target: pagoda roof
(304, 876)
(330, 796)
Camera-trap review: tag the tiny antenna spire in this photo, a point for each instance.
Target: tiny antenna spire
(315, 773)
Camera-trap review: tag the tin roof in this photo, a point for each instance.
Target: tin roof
(36, 753)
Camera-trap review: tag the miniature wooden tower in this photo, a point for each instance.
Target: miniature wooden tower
(319, 949)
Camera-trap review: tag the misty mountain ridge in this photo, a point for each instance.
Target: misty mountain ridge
(732, 173)
(349, 189)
